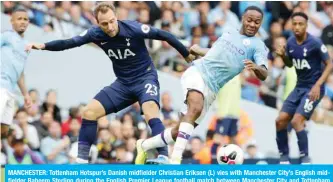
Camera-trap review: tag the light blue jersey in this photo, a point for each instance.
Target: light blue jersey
(225, 59)
(13, 59)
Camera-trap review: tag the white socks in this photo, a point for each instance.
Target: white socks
(160, 140)
(184, 134)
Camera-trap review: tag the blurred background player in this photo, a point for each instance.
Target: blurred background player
(228, 110)
(230, 54)
(13, 60)
(137, 80)
(307, 54)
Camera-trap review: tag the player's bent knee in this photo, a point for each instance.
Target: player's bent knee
(93, 111)
(298, 122)
(282, 121)
(150, 110)
(89, 114)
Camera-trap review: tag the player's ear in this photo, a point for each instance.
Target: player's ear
(12, 18)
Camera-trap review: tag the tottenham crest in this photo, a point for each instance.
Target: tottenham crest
(323, 49)
(145, 28)
(305, 50)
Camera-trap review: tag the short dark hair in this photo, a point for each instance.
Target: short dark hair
(255, 8)
(19, 9)
(300, 14)
(103, 8)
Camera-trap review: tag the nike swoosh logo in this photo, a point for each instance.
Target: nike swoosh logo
(102, 43)
(291, 51)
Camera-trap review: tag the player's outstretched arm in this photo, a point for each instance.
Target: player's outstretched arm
(157, 34)
(60, 45)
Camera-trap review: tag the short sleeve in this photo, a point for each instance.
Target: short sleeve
(323, 53)
(261, 54)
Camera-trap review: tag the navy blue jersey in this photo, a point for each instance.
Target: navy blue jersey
(308, 59)
(127, 50)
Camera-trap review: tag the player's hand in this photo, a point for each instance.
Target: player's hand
(195, 50)
(27, 101)
(250, 65)
(281, 50)
(37, 46)
(190, 58)
(314, 93)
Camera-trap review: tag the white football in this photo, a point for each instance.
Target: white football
(230, 154)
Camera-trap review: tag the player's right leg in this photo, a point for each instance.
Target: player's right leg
(195, 106)
(281, 124)
(288, 110)
(110, 99)
(194, 90)
(87, 136)
(7, 111)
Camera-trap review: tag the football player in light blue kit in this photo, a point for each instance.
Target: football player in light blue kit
(12, 62)
(230, 54)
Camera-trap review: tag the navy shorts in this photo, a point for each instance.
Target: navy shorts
(227, 127)
(118, 96)
(298, 102)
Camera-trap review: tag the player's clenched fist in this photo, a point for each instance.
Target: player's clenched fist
(195, 49)
(280, 50)
(37, 46)
(190, 58)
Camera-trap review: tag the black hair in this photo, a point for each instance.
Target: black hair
(255, 8)
(19, 9)
(300, 14)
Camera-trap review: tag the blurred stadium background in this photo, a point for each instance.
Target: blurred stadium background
(62, 82)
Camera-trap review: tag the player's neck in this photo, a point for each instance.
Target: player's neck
(301, 39)
(20, 34)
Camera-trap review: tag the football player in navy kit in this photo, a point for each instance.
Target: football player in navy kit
(312, 63)
(137, 80)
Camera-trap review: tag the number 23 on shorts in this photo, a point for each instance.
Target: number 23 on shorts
(151, 89)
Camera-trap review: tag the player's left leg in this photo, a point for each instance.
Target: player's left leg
(110, 99)
(303, 113)
(148, 96)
